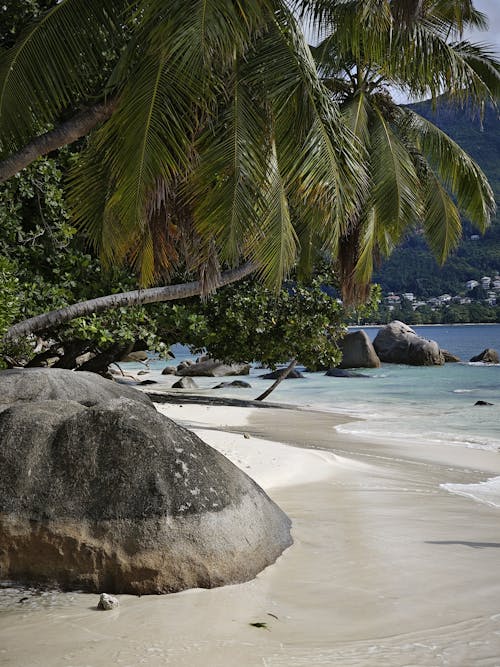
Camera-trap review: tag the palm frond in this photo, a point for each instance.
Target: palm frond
(55, 63)
(456, 169)
(483, 61)
(274, 246)
(432, 66)
(356, 114)
(442, 224)
(147, 141)
(231, 171)
(396, 188)
(318, 155)
(211, 33)
(454, 17)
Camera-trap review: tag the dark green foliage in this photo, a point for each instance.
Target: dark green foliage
(45, 266)
(249, 322)
(15, 15)
(411, 267)
(9, 295)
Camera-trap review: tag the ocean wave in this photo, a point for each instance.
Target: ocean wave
(487, 492)
(397, 431)
(479, 363)
(464, 391)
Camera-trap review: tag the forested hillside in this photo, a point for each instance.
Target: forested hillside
(412, 268)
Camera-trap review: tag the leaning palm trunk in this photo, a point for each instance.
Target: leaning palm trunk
(65, 133)
(134, 298)
(282, 376)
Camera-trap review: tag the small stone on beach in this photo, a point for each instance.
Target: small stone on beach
(107, 602)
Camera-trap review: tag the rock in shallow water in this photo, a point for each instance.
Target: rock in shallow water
(487, 356)
(119, 497)
(397, 343)
(358, 351)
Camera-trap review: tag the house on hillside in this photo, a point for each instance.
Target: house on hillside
(485, 282)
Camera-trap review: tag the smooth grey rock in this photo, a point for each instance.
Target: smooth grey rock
(358, 351)
(482, 403)
(39, 384)
(241, 384)
(169, 370)
(213, 368)
(135, 356)
(488, 356)
(449, 357)
(341, 373)
(118, 497)
(185, 363)
(293, 375)
(185, 383)
(108, 602)
(83, 358)
(397, 343)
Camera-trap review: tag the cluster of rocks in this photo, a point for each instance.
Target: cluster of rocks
(99, 491)
(206, 367)
(397, 343)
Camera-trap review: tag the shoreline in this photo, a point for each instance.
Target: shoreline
(387, 567)
(451, 324)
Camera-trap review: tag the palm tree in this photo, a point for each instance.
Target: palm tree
(418, 175)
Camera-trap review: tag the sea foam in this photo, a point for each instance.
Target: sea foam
(487, 492)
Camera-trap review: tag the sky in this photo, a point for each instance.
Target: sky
(492, 10)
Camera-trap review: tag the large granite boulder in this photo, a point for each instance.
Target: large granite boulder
(118, 497)
(40, 384)
(358, 351)
(488, 356)
(397, 343)
(213, 368)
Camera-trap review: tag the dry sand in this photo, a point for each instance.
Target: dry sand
(387, 567)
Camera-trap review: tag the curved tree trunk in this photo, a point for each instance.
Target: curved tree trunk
(134, 298)
(63, 134)
(282, 376)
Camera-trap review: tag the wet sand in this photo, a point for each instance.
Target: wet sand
(387, 567)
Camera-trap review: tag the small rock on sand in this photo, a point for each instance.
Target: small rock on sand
(107, 602)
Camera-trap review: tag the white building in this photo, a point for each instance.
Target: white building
(470, 284)
(486, 282)
(444, 298)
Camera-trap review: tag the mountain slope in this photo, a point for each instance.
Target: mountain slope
(412, 268)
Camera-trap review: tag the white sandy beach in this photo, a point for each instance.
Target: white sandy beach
(387, 567)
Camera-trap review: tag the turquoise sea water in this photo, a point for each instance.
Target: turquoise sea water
(399, 401)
